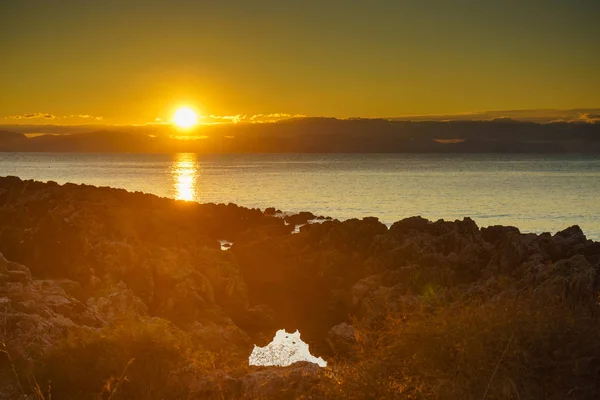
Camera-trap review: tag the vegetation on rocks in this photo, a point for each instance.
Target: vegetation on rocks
(109, 294)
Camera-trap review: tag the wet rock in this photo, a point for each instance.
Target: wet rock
(300, 218)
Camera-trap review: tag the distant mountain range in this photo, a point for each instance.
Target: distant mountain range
(325, 135)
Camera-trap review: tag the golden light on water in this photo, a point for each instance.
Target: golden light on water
(185, 175)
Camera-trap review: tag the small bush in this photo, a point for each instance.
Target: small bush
(518, 349)
(133, 359)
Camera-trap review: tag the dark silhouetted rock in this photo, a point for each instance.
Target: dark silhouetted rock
(341, 338)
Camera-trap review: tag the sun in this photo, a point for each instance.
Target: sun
(185, 118)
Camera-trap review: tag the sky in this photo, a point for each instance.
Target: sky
(133, 61)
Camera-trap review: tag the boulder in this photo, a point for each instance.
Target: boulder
(300, 218)
(292, 382)
(281, 382)
(119, 303)
(270, 211)
(496, 233)
(341, 338)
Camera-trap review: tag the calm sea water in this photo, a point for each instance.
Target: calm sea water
(537, 193)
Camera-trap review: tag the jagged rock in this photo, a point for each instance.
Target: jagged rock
(219, 337)
(13, 272)
(270, 211)
(300, 218)
(408, 225)
(216, 386)
(120, 302)
(575, 279)
(78, 242)
(341, 338)
(494, 234)
(512, 251)
(281, 382)
(260, 317)
(290, 382)
(37, 313)
(568, 242)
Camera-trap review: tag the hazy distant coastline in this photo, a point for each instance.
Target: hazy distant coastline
(317, 135)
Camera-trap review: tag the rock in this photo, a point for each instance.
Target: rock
(257, 318)
(216, 386)
(270, 211)
(86, 259)
(408, 225)
(13, 271)
(300, 218)
(292, 382)
(219, 337)
(573, 279)
(281, 382)
(568, 242)
(72, 288)
(120, 302)
(341, 338)
(496, 233)
(38, 313)
(513, 250)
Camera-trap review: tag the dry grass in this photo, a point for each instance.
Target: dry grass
(517, 349)
(131, 360)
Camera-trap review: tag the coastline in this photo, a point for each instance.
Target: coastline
(90, 270)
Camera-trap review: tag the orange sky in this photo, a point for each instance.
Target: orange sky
(131, 62)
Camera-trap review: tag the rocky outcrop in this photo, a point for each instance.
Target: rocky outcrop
(341, 338)
(290, 382)
(164, 251)
(300, 218)
(85, 259)
(37, 313)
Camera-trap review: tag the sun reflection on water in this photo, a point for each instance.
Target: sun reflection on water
(185, 174)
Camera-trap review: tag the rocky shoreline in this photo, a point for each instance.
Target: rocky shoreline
(109, 293)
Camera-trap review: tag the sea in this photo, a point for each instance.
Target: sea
(536, 193)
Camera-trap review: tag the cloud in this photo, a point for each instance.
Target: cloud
(83, 116)
(33, 116)
(228, 118)
(587, 118)
(541, 116)
(252, 119)
(88, 116)
(263, 118)
(48, 116)
(590, 117)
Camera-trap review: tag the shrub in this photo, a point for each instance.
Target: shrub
(514, 349)
(132, 359)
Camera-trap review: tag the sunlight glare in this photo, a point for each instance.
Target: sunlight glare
(185, 118)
